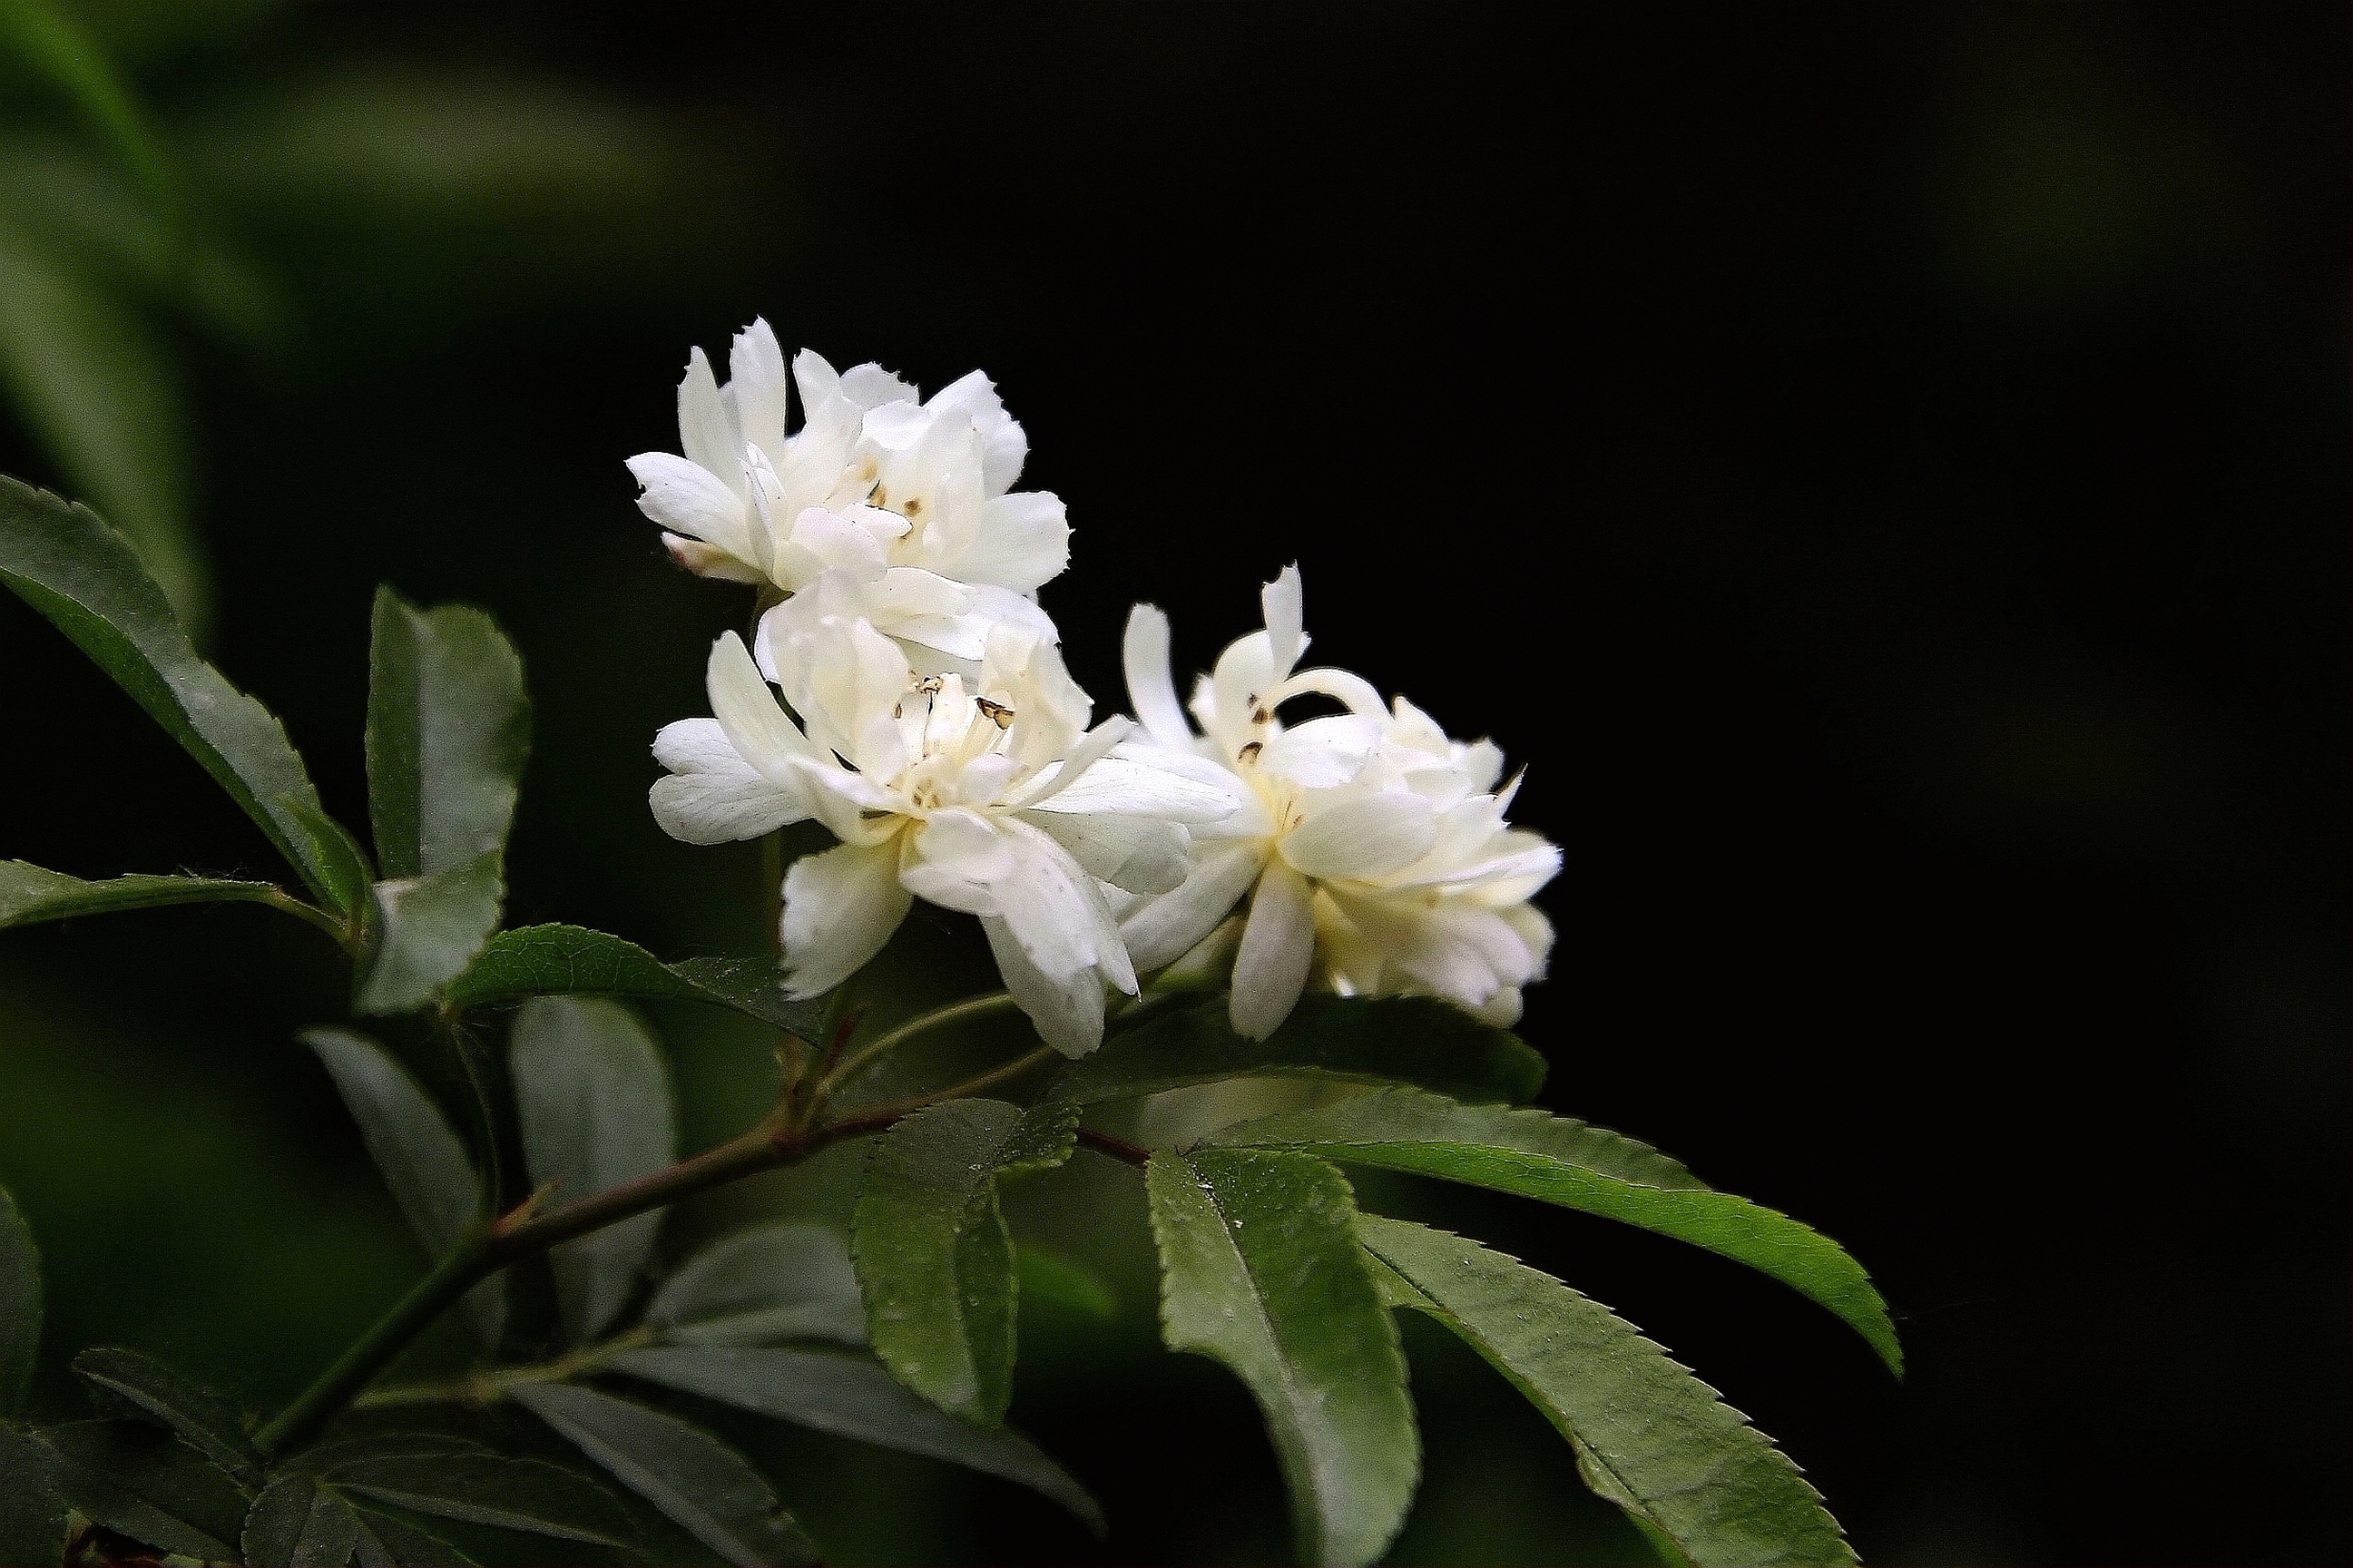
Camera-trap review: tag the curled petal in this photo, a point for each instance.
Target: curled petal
(1151, 690)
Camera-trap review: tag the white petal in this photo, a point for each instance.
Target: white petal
(748, 711)
(1151, 690)
(1135, 854)
(956, 859)
(1170, 926)
(706, 430)
(1362, 837)
(1135, 785)
(698, 745)
(1278, 944)
(688, 498)
(1457, 950)
(1068, 1014)
(869, 387)
(710, 561)
(1024, 541)
(840, 907)
(1226, 701)
(1322, 752)
(1283, 602)
(755, 376)
(1092, 747)
(839, 542)
(719, 808)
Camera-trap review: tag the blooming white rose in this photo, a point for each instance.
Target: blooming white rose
(993, 798)
(1368, 841)
(909, 498)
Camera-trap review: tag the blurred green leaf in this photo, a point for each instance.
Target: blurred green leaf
(386, 1541)
(302, 1524)
(1577, 1165)
(1046, 1277)
(702, 1485)
(422, 1160)
(320, 1458)
(79, 572)
(1260, 1269)
(146, 1483)
(424, 930)
(448, 729)
(1654, 1440)
(546, 960)
(97, 384)
(492, 1488)
(52, 43)
(126, 1382)
(761, 1287)
(29, 895)
(1408, 1038)
(593, 1099)
(853, 1395)
(20, 1304)
(32, 1510)
(934, 1257)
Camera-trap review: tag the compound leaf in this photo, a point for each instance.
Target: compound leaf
(129, 1383)
(146, 1483)
(491, 1489)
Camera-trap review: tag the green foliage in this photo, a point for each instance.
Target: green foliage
(127, 1383)
(132, 1478)
(386, 1540)
(696, 1480)
(763, 1287)
(594, 1100)
(1409, 1039)
(1570, 1162)
(1260, 1269)
(29, 895)
(72, 568)
(935, 1256)
(1647, 1434)
(449, 728)
(32, 1509)
(300, 1524)
(851, 1395)
(529, 1495)
(422, 1160)
(20, 1304)
(1046, 1277)
(550, 959)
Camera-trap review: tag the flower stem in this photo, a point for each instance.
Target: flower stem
(516, 1236)
(860, 1060)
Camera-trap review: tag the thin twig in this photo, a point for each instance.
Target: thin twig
(1117, 1147)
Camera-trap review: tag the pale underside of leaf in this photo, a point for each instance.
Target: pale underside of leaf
(1648, 1436)
(426, 929)
(852, 1395)
(764, 1286)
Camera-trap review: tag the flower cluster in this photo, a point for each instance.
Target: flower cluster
(906, 691)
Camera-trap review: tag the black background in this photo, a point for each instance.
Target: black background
(1884, 472)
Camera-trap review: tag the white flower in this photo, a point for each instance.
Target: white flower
(1368, 840)
(909, 498)
(993, 799)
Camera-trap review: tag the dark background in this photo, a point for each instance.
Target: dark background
(1885, 472)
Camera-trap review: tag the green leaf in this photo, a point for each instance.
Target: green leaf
(46, 39)
(593, 1099)
(29, 895)
(421, 1159)
(701, 1484)
(32, 1510)
(492, 1488)
(935, 1256)
(1046, 1277)
(20, 1304)
(426, 929)
(1655, 1439)
(449, 728)
(547, 960)
(126, 1382)
(147, 1484)
(852, 1395)
(320, 1458)
(1413, 1039)
(1260, 1269)
(759, 1286)
(80, 573)
(297, 1523)
(386, 1541)
(341, 860)
(1581, 1166)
